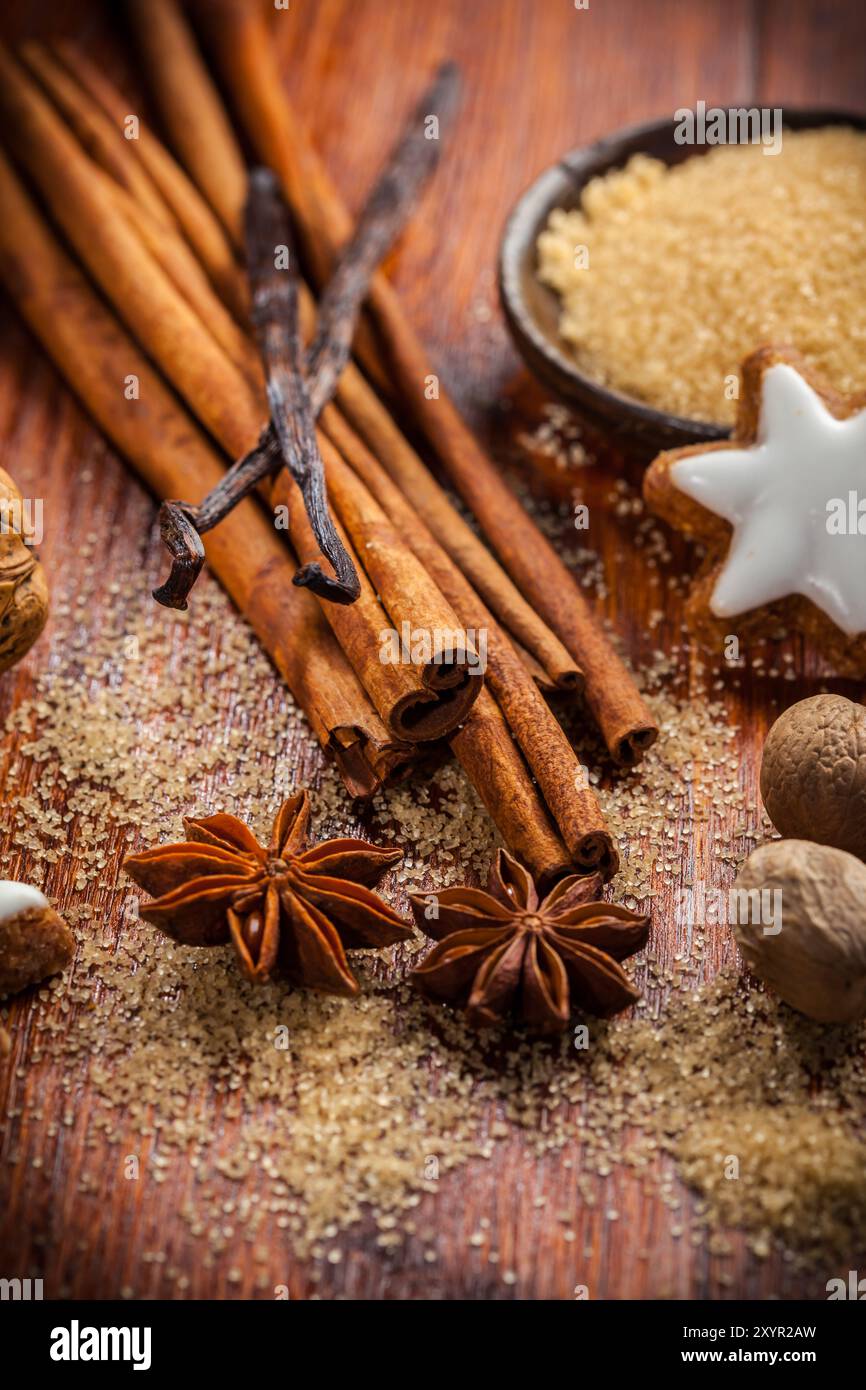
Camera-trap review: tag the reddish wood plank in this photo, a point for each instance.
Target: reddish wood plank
(541, 77)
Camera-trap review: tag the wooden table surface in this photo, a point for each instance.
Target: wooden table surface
(541, 77)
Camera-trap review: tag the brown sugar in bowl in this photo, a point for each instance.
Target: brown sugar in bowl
(532, 309)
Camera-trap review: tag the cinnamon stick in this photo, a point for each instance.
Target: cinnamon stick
(421, 694)
(160, 315)
(430, 708)
(187, 276)
(239, 38)
(386, 441)
(193, 213)
(487, 753)
(87, 343)
(103, 141)
(90, 348)
(183, 86)
(362, 746)
(361, 404)
(157, 312)
(571, 801)
(141, 203)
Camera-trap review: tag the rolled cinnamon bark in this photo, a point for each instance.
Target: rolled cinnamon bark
(414, 705)
(183, 85)
(142, 204)
(375, 425)
(197, 128)
(421, 628)
(187, 276)
(418, 701)
(574, 806)
(193, 213)
(487, 753)
(563, 783)
(157, 312)
(102, 140)
(239, 38)
(90, 348)
(66, 314)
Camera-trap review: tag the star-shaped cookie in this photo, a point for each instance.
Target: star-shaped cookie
(781, 508)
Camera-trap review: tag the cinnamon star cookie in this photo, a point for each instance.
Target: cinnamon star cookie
(781, 509)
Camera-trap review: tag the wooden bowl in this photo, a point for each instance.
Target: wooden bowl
(532, 309)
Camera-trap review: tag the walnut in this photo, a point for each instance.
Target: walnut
(34, 941)
(23, 591)
(816, 962)
(813, 773)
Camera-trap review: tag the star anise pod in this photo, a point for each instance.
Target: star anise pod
(505, 954)
(284, 905)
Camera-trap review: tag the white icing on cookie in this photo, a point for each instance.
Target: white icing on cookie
(18, 897)
(793, 499)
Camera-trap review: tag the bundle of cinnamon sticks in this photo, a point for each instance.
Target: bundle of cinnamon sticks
(162, 235)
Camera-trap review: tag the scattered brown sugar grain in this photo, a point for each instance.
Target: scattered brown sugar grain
(690, 268)
(277, 1117)
(782, 1170)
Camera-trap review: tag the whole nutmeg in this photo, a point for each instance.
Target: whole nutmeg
(813, 773)
(803, 929)
(34, 941)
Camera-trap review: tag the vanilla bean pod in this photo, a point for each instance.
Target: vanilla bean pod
(276, 319)
(290, 438)
(182, 524)
(381, 221)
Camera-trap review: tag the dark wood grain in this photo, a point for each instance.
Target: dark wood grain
(541, 77)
